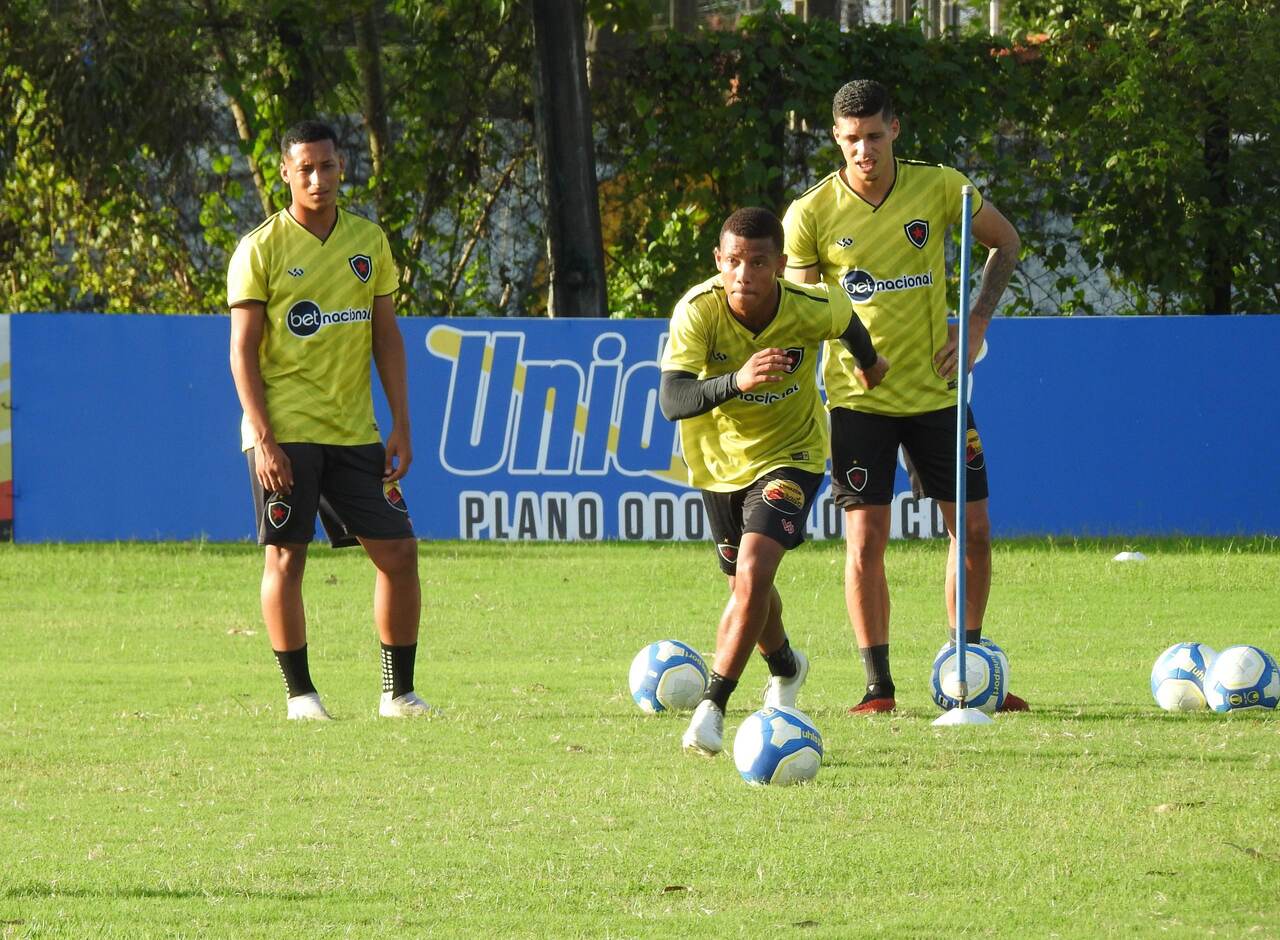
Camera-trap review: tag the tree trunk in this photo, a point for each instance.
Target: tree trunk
(566, 158)
(1217, 164)
(684, 15)
(372, 93)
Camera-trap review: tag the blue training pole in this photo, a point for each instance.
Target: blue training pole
(962, 427)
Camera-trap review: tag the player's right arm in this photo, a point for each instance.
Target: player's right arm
(801, 246)
(274, 470)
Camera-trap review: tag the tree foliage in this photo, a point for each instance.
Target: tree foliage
(1134, 144)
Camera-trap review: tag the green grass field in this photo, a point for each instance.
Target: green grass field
(150, 786)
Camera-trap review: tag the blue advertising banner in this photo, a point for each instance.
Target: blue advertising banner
(126, 427)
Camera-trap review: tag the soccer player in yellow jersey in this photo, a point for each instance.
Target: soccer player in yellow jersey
(312, 298)
(875, 229)
(739, 374)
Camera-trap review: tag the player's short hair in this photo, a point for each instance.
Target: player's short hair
(754, 222)
(860, 98)
(307, 132)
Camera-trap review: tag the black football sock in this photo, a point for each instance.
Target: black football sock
(971, 637)
(397, 668)
(875, 660)
(293, 667)
(782, 661)
(719, 690)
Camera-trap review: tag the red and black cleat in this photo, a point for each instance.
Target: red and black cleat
(1014, 703)
(874, 706)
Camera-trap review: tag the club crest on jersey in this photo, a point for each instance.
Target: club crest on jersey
(728, 552)
(973, 456)
(278, 512)
(796, 355)
(917, 232)
(784, 496)
(395, 499)
(362, 265)
(857, 478)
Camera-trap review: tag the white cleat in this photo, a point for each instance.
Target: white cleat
(307, 707)
(405, 706)
(705, 734)
(781, 691)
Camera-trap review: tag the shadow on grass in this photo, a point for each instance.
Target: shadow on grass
(17, 892)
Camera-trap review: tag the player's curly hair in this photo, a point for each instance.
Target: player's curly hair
(307, 132)
(860, 98)
(754, 222)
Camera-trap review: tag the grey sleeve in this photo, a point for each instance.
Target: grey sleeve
(857, 340)
(684, 395)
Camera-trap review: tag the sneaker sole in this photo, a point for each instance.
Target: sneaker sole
(701, 751)
(877, 706)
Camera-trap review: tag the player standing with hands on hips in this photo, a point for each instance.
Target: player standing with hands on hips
(875, 229)
(312, 298)
(739, 374)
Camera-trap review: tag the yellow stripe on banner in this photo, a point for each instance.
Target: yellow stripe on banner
(445, 342)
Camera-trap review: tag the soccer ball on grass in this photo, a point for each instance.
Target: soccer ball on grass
(984, 675)
(779, 746)
(1177, 678)
(1242, 677)
(667, 675)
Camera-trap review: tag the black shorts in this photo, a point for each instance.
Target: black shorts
(864, 456)
(775, 505)
(342, 483)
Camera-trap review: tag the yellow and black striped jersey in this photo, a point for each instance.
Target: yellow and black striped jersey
(889, 259)
(776, 425)
(317, 341)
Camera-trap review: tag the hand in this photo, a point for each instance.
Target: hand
(275, 470)
(945, 359)
(399, 455)
(768, 365)
(872, 377)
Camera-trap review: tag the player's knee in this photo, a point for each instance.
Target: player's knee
(286, 562)
(397, 559)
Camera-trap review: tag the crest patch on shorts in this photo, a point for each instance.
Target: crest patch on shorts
(856, 478)
(395, 499)
(973, 456)
(728, 552)
(784, 496)
(277, 512)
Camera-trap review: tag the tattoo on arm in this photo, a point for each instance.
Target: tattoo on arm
(995, 278)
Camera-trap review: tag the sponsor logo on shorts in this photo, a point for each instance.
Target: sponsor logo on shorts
(395, 499)
(973, 456)
(362, 265)
(277, 513)
(728, 552)
(856, 478)
(789, 526)
(862, 286)
(796, 354)
(784, 496)
(917, 232)
(305, 318)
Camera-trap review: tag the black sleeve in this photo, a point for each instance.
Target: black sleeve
(683, 394)
(857, 340)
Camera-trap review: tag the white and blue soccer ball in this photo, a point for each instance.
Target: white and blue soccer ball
(779, 746)
(1177, 678)
(991, 647)
(984, 675)
(667, 675)
(1242, 677)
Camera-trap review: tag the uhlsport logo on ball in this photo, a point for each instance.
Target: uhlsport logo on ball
(667, 675)
(984, 676)
(1242, 678)
(778, 746)
(1177, 678)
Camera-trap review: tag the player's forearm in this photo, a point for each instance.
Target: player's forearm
(393, 372)
(684, 395)
(995, 278)
(857, 340)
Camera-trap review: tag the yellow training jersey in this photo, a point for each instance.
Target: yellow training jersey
(889, 259)
(317, 341)
(775, 425)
